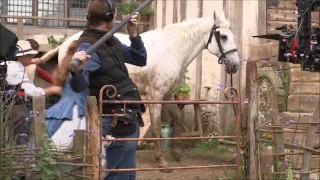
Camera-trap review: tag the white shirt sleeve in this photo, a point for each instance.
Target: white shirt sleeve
(16, 74)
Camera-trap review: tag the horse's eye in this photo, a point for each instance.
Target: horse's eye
(224, 37)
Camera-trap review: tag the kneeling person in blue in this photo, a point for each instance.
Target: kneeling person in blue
(106, 66)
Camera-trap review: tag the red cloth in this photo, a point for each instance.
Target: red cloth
(44, 75)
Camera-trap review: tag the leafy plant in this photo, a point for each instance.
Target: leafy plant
(54, 42)
(127, 8)
(46, 163)
(182, 89)
(146, 12)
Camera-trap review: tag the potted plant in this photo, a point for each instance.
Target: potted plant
(182, 92)
(145, 14)
(127, 8)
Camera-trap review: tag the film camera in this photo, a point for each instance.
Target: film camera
(8, 50)
(301, 46)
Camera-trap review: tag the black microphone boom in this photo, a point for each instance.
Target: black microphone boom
(76, 63)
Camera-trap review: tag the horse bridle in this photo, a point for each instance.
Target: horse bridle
(222, 58)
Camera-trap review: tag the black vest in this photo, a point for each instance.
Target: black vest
(112, 72)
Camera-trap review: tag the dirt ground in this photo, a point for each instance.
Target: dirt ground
(192, 157)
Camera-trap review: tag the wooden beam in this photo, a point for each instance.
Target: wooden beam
(307, 154)
(234, 13)
(199, 58)
(252, 118)
(93, 146)
(262, 19)
(39, 103)
(20, 28)
(183, 10)
(164, 13)
(175, 13)
(79, 149)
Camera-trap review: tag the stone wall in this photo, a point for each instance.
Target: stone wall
(297, 93)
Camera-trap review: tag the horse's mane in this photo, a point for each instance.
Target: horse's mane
(191, 30)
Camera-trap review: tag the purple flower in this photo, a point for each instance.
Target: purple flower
(301, 55)
(31, 113)
(246, 101)
(286, 123)
(286, 161)
(294, 144)
(279, 118)
(308, 98)
(23, 135)
(277, 73)
(297, 138)
(27, 159)
(37, 114)
(72, 135)
(272, 110)
(303, 114)
(234, 155)
(287, 138)
(265, 61)
(219, 88)
(287, 54)
(267, 166)
(27, 119)
(11, 91)
(292, 121)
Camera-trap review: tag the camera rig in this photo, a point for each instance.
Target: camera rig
(10, 94)
(301, 45)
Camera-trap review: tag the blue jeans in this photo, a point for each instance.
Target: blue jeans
(121, 154)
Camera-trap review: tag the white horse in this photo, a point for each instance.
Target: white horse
(170, 51)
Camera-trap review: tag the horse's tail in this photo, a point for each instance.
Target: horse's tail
(61, 71)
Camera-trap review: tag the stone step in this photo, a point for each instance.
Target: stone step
(296, 75)
(304, 88)
(297, 118)
(307, 104)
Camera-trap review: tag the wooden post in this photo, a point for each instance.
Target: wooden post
(252, 118)
(278, 142)
(66, 15)
(20, 28)
(164, 13)
(39, 103)
(233, 10)
(93, 145)
(199, 59)
(307, 154)
(79, 148)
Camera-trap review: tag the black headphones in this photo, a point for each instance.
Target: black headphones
(108, 17)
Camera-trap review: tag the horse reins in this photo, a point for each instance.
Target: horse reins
(222, 58)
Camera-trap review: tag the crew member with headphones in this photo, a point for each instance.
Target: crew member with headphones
(106, 66)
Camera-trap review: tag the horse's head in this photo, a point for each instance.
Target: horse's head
(221, 43)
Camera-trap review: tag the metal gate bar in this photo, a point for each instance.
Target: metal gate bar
(233, 93)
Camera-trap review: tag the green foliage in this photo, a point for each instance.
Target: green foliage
(54, 42)
(127, 8)
(182, 89)
(45, 162)
(290, 175)
(146, 12)
(210, 144)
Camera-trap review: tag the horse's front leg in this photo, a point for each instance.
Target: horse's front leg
(155, 116)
